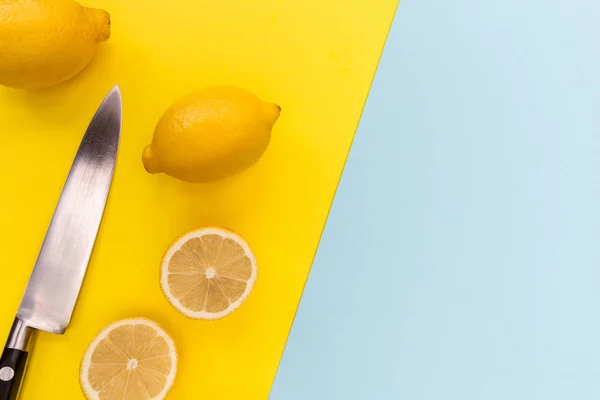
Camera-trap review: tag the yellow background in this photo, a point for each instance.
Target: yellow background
(314, 58)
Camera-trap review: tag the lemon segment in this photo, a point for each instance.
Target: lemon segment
(208, 273)
(132, 359)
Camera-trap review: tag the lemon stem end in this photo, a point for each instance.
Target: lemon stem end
(100, 22)
(151, 164)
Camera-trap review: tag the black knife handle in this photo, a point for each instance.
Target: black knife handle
(12, 370)
(14, 360)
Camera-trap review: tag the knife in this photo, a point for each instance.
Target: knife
(58, 273)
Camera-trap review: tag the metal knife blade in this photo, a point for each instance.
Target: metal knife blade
(61, 264)
(58, 273)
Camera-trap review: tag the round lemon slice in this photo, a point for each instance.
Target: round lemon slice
(208, 273)
(133, 359)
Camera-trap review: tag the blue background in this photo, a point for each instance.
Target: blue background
(461, 259)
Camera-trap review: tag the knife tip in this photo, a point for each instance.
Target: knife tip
(115, 91)
(113, 100)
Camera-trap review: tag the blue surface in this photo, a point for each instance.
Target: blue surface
(461, 259)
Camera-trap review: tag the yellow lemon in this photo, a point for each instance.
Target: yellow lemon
(45, 42)
(211, 134)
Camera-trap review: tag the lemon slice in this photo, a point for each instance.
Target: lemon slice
(133, 359)
(208, 273)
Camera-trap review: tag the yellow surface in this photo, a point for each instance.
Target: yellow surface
(314, 58)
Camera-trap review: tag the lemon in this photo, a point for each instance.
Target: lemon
(211, 134)
(130, 359)
(208, 273)
(45, 42)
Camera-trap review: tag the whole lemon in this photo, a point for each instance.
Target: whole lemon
(45, 42)
(211, 134)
